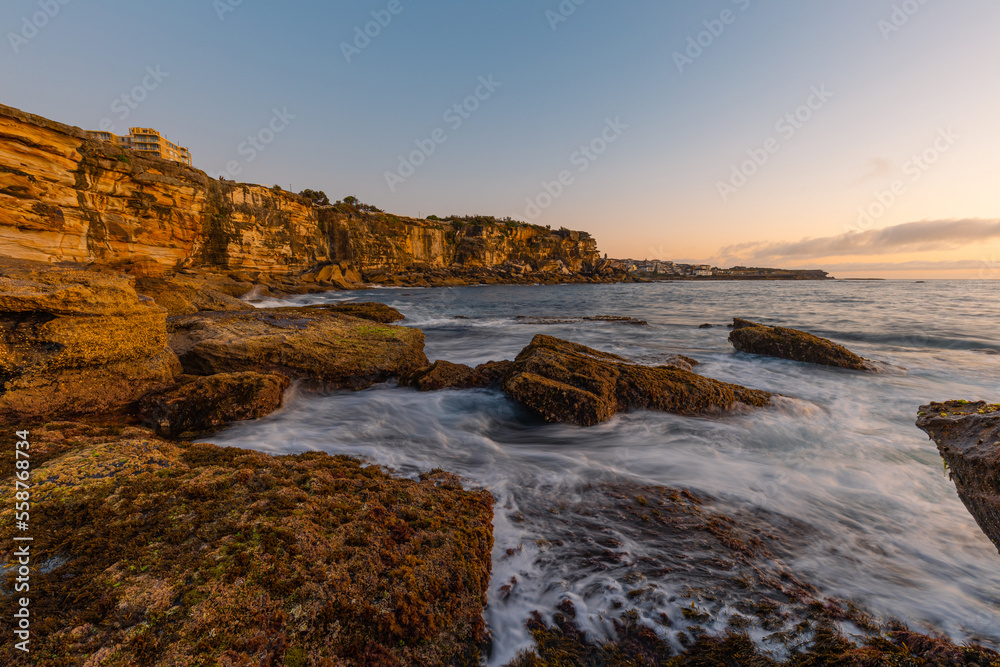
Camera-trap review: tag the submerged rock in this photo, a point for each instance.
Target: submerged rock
(158, 553)
(325, 349)
(207, 403)
(612, 319)
(793, 344)
(568, 382)
(74, 342)
(684, 579)
(968, 437)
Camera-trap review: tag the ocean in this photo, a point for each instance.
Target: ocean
(838, 455)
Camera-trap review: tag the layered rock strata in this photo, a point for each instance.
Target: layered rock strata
(64, 197)
(74, 342)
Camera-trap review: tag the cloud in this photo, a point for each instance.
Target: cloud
(924, 236)
(875, 167)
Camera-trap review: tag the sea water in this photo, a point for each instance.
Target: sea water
(840, 454)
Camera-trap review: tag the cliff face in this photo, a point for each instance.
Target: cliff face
(65, 197)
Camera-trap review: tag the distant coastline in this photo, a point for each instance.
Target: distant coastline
(659, 270)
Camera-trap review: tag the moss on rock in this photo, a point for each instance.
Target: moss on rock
(324, 349)
(568, 382)
(153, 553)
(794, 345)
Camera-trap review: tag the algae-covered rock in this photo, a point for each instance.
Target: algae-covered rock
(74, 342)
(968, 437)
(161, 554)
(208, 403)
(444, 375)
(793, 344)
(325, 349)
(495, 371)
(568, 382)
(365, 310)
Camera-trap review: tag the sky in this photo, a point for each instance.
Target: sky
(857, 136)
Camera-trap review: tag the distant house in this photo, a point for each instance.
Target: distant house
(703, 270)
(148, 142)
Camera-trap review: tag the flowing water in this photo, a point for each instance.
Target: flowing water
(841, 455)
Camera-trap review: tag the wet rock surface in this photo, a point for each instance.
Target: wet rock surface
(568, 382)
(203, 404)
(375, 312)
(681, 578)
(325, 349)
(445, 375)
(159, 553)
(495, 371)
(795, 345)
(74, 343)
(968, 437)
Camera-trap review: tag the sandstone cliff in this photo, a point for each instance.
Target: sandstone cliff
(64, 197)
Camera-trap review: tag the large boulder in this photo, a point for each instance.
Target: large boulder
(968, 437)
(74, 342)
(205, 404)
(325, 349)
(160, 553)
(793, 344)
(568, 382)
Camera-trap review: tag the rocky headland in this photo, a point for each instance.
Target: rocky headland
(124, 338)
(65, 197)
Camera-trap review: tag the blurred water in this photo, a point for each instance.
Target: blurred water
(841, 454)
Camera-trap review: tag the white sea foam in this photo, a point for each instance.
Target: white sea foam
(840, 453)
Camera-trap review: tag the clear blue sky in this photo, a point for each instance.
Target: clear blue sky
(654, 191)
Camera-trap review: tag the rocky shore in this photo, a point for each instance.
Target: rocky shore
(125, 337)
(161, 551)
